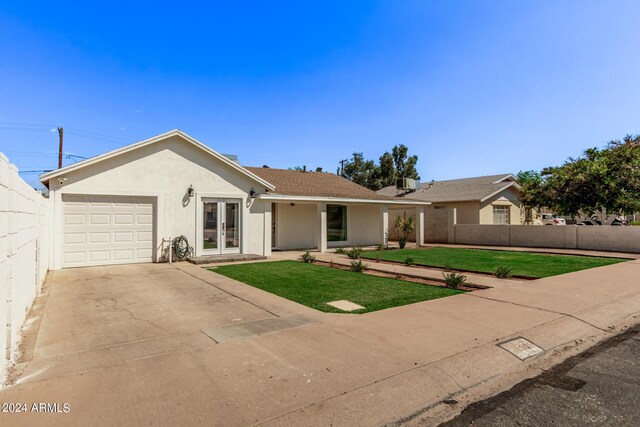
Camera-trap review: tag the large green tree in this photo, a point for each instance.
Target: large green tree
(397, 164)
(601, 179)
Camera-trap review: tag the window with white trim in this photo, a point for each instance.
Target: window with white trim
(501, 214)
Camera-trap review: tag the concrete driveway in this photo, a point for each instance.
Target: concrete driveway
(131, 345)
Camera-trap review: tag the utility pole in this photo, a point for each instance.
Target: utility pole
(342, 167)
(61, 134)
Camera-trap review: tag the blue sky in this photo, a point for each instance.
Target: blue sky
(471, 87)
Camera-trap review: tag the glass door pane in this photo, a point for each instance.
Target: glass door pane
(210, 226)
(232, 225)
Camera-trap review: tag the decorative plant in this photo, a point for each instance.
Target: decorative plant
(408, 260)
(504, 272)
(340, 251)
(354, 253)
(404, 226)
(358, 266)
(307, 258)
(454, 280)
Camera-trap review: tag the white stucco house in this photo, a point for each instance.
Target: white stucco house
(121, 206)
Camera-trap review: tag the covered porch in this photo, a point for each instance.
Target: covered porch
(325, 223)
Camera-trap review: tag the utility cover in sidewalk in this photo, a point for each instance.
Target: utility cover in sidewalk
(521, 348)
(345, 305)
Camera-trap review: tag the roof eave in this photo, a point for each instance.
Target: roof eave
(319, 199)
(45, 178)
(511, 184)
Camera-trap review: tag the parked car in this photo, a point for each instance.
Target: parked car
(589, 222)
(550, 219)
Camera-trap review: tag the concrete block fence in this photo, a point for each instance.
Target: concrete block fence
(598, 238)
(23, 254)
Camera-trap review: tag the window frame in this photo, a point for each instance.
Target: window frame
(507, 216)
(344, 229)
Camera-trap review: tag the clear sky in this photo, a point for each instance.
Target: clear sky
(471, 87)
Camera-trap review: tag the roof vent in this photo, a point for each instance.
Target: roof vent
(405, 184)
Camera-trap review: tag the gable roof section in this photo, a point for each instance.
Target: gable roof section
(458, 190)
(45, 178)
(316, 184)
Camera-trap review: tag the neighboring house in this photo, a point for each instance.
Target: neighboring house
(120, 207)
(480, 200)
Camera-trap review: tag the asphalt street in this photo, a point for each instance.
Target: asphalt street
(600, 387)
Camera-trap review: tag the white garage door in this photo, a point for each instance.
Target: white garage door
(100, 230)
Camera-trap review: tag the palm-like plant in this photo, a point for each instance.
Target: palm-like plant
(404, 226)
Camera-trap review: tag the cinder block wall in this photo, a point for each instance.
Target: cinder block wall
(24, 254)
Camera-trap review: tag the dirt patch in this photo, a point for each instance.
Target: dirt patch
(468, 287)
(428, 267)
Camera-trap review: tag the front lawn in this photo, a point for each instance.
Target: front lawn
(528, 264)
(315, 286)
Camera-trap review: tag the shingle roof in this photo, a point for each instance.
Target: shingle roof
(315, 184)
(456, 190)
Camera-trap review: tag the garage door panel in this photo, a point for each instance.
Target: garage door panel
(100, 230)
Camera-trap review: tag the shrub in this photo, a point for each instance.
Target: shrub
(454, 280)
(340, 251)
(307, 258)
(447, 267)
(408, 261)
(380, 247)
(358, 266)
(503, 272)
(404, 226)
(354, 253)
(378, 259)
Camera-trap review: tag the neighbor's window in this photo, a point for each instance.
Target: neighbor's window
(336, 223)
(501, 214)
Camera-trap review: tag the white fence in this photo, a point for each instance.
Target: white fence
(23, 254)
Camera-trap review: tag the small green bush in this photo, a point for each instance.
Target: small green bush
(380, 247)
(408, 261)
(358, 266)
(447, 267)
(354, 253)
(378, 258)
(307, 258)
(340, 251)
(503, 272)
(454, 280)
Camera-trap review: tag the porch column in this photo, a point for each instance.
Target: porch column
(321, 225)
(419, 226)
(384, 225)
(268, 228)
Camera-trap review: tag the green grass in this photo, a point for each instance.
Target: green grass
(528, 264)
(315, 286)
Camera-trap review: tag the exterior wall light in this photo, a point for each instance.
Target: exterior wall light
(190, 191)
(252, 193)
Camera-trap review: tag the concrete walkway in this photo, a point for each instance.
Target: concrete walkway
(124, 346)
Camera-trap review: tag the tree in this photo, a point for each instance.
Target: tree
(367, 173)
(361, 171)
(405, 166)
(605, 179)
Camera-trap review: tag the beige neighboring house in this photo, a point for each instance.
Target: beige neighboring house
(123, 206)
(490, 199)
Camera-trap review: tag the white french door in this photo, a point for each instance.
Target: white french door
(220, 226)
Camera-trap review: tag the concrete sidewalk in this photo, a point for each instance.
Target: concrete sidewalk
(138, 364)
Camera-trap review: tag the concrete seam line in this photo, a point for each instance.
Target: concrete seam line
(542, 309)
(227, 292)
